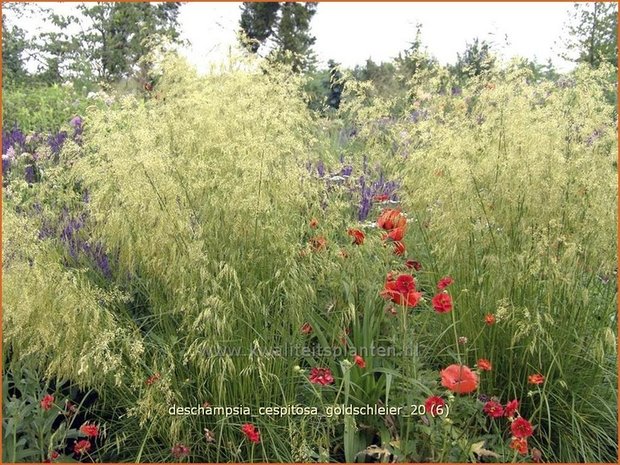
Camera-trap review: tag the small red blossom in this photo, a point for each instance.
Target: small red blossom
(381, 198)
(399, 249)
(391, 219)
(179, 451)
(484, 364)
(401, 290)
(306, 328)
(318, 243)
(511, 408)
(493, 409)
(53, 456)
(413, 265)
(442, 303)
(396, 234)
(357, 235)
(536, 379)
(153, 379)
(444, 282)
(489, 319)
(322, 376)
(359, 361)
(251, 432)
(459, 379)
(91, 431)
(521, 428)
(314, 223)
(433, 404)
(520, 445)
(47, 402)
(82, 446)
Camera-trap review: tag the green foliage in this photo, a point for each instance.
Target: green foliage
(477, 59)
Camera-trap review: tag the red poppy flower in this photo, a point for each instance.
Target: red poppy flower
(152, 379)
(511, 408)
(306, 328)
(381, 198)
(322, 376)
(314, 223)
(396, 234)
(90, 430)
(459, 379)
(493, 409)
(489, 319)
(318, 242)
(521, 428)
(433, 404)
(357, 235)
(390, 219)
(179, 451)
(444, 282)
(251, 432)
(442, 303)
(359, 361)
(520, 445)
(484, 364)
(82, 446)
(413, 264)
(53, 456)
(47, 402)
(399, 248)
(401, 290)
(536, 379)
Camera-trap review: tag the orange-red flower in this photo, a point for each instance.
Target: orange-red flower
(511, 408)
(489, 319)
(401, 290)
(251, 432)
(442, 303)
(536, 379)
(306, 328)
(396, 234)
(521, 428)
(484, 364)
(391, 219)
(413, 264)
(433, 404)
(91, 431)
(399, 248)
(520, 445)
(381, 198)
(493, 409)
(47, 402)
(318, 243)
(82, 446)
(359, 361)
(459, 379)
(444, 282)
(322, 376)
(314, 223)
(357, 235)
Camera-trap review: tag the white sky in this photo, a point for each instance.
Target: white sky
(350, 33)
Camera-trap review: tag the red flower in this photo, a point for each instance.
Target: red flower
(536, 379)
(442, 303)
(396, 234)
(432, 404)
(306, 328)
(490, 319)
(520, 445)
(81, 447)
(399, 248)
(413, 264)
(179, 451)
(444, 282)
(459, 379)
(318, 242)
(90, 430)
(322, 376)
(53, 456)
(251, 432)
(381, 198)
(511, 408)
(401, 290)
(493, 409)
(314, 223)
(521, 428)
(359, 361)
(390, 219)
(152, 379)
(357, 235)
(47, 402)
(484, 364)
